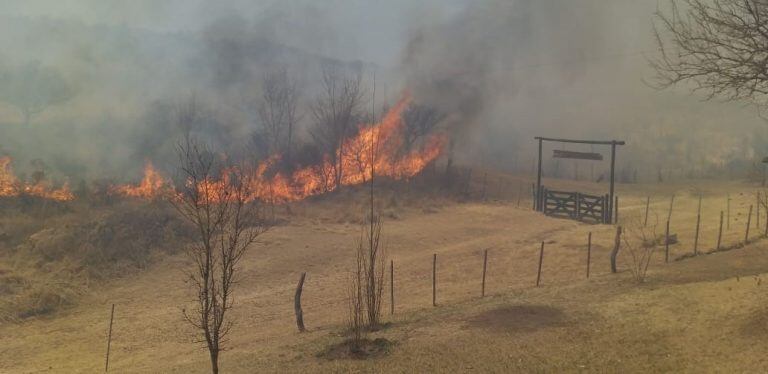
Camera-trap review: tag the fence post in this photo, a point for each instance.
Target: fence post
(757, 215)
(391, 286)
(485, 265)
(728, 212)
(589, 251)
(541, 259)
(485, 180)
(720, 232)
(766, 216)
(666, 244)
(578, 205)
(698, 223)
(671, 206)
(647, 205)
(603, 206)
(434, 279)
(297, 303)
(615, 251)
(109, 337)
(749, 222)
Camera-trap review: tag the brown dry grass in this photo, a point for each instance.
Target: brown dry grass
(701, 314)
(50, 253)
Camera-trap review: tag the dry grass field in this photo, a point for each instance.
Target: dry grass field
(702, 314)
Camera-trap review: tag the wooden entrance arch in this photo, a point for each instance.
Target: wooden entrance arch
(575, 204)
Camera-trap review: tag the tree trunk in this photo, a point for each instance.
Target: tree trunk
(214, 361)
(297, 304)
(615, 250)
(289, 146)
(339, 165)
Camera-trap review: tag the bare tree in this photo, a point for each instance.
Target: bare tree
(419, 121)
(720, 46)
(218, 200)
(373, 255)
(33, 88)
(277, 111)
(356, 305)
(367, 283)
(641, 241)
(335, 112)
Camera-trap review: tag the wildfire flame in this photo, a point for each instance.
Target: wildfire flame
(375, 149)
(151, 186)
(378, 145)
(11, 186)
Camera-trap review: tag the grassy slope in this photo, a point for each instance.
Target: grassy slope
(702, 314)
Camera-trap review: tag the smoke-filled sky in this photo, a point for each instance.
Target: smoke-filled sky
(502, 71)
(346, 29)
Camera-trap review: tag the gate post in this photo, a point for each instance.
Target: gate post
(613, 167)
(578, 205)
(538, 175)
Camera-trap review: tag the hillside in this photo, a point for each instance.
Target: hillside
(699, 314)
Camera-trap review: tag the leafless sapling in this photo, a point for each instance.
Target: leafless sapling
(367, 283)
(217, 200)
(641, 241)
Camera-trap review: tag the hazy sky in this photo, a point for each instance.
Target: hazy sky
(504, 70)
(366, 30)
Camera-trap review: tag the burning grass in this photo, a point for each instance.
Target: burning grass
(352, 163)
(12, 186)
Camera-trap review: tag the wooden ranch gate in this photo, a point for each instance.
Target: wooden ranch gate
(576, 205)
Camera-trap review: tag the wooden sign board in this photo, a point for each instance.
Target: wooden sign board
(578, 155)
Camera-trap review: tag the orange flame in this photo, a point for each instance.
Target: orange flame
(152, 185)
(8, 181)
(376, 149)
(11, 186)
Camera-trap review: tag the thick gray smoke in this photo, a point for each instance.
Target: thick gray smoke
(511, 70)
(502, 71)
